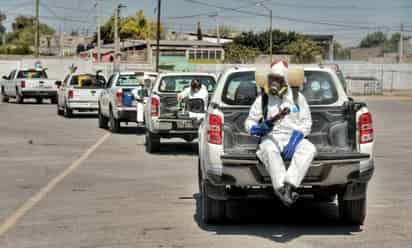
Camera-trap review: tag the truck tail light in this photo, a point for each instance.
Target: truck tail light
(365, 128)
(155, 102)
(119, 97)
(22, 84)
(214, 132)
(71, 94)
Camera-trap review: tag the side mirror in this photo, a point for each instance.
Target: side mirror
(5, 77)
(58, 84)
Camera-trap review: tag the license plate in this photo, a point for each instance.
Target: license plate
(184, 124)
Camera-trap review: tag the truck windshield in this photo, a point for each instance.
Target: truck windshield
(175, 84)
(32, 74)
(87, 81)
(319, 88)
(130, 80)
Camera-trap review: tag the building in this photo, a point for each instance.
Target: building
(62, 45)
(171, 51)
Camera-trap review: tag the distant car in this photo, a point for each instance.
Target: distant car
(161, 114)
(28, 83)
(116, 101)
(79, 92)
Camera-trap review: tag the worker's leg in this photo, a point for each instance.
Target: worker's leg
(140, 112)
(269, 154)
(301, 161)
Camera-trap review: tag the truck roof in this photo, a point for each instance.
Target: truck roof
(185, 74)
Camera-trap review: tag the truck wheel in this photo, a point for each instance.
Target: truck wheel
(39, 100)
(19, 98)
(59, 111)
(152, 142)
(67, 112)
(4, 98)
(103, 121)
(199, 175)
(324, 197)
(53, 100)
(114, 123)
(352, 212)
(213, 211)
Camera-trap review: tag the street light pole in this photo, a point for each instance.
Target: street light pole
(270, 29)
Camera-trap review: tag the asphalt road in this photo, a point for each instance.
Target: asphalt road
(113, 194)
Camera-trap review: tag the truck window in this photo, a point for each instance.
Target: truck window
(130, 80)
(32, 74)
(87, 81)
(240, 88)
(175, 84)
(319, 88)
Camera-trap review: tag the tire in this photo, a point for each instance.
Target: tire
(324, 197)
(152, 142)
(4, 98)
(213, 211)
(103, 121)
(114, 123)
(59, 111)
(39, 100)
(199, 175)
(53, 100)
(352, 212)
(19, 98)
(67, 112)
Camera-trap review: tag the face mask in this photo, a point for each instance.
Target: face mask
(277, 85)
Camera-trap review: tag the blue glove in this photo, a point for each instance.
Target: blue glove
(290, 148)
(259, 130)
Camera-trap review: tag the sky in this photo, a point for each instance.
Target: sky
(348, 20)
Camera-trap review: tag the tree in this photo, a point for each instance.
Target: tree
(2, 27)
(24, 30)
(261, 40)
(236, 53)
(131, 27)
(341, 53)
(303, 50)
(373, 39)
(392, 44)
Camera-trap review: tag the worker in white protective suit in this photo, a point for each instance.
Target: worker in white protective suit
(196, 91)
(140, 101)
(283, 124)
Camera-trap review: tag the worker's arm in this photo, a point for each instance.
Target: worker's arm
(255, 114)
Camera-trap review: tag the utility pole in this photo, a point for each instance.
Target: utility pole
(37, 34)
(401, 46)
(116, 30)
(97, 6)
(217, 29)
(270, 29)
(159, 5)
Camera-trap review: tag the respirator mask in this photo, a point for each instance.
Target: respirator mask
(277, 85)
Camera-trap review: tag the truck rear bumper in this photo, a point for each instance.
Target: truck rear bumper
(39, 93)
(323, 172)
(83, 105)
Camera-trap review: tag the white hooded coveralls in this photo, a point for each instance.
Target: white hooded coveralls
(200, 94)
(273, 143)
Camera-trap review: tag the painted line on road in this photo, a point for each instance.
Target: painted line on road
(12, 220)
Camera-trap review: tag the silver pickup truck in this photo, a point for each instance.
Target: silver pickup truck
(116, 101)
(28, 83)
(162, 116)
(342, 133)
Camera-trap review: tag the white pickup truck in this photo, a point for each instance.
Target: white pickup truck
(341, 131)
(79, 92)
(117, 102)
(28, 83)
